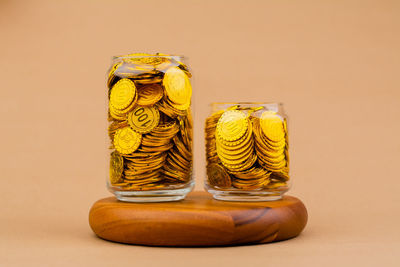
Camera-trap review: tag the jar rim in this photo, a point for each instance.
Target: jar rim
(127, 56)
(246, 103)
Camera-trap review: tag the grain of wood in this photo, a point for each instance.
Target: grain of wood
(198, 220)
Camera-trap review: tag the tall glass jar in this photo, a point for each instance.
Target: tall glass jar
(247, 151)
(150, 128)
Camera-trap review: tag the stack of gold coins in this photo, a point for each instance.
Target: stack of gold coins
(272, 145)
(246, 151)
(150, 122)
(234, 142)
(211, 145)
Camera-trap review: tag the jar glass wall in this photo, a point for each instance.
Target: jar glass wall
(150, 128)
(247, 151)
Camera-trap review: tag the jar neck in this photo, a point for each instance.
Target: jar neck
(138, 56)
(247, 105)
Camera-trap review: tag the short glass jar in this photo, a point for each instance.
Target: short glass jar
(150, 128)
(247, 151)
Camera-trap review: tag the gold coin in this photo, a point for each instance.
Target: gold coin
(177, 86)
(116, 167)
(135, 71)
(156, 148)
(177, 109)
(282, 175)
(235, 150)
(264, 142)
(272, 126)
(269, 157)
(175, 60)
(217, 176)
(274, 158)
(210, 127)
(175, 174)
(121, 184)
(273, 168)
(246, 185)
(146, 59)
(143, 119)
(181, 147)
(169, 110)
(147, 187)
(152, 80)
(114, 126)
(232, 125)
(177, 166)
(253, 173)
(276, 185)
(134, 55)
(233, 159)
(138, 155)
(149, 94)
(163, 67)
(228, 161)
(243, 166)
(243, 141)
(285, 126)
(142, 177)
(149, 164)
(122, 114)
(189, 118)
(147, 160)
(112, 78)
(122, 94)
(116, 114)
(150, 140)
(181, 107)
(179, 160)
(160, 136)
(287, 157)
(126, 140)
(286, 134)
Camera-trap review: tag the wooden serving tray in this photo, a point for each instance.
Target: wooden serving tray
(199, 220)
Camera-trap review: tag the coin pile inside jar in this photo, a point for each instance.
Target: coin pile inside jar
(150, 122)
(245, 151)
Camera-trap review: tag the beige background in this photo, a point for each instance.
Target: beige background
(334, 64)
